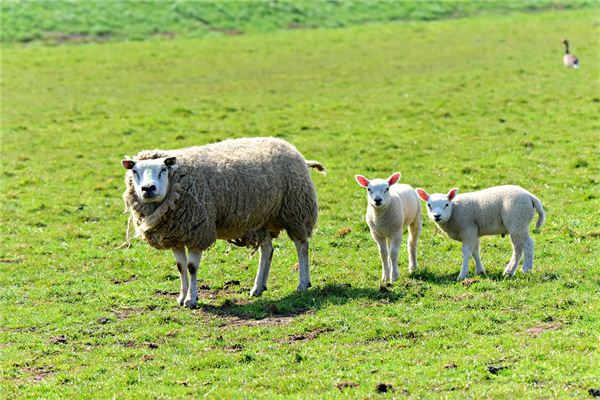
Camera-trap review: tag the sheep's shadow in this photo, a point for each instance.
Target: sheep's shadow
(299, 303)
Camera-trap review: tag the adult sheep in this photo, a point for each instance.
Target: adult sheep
(241, 190)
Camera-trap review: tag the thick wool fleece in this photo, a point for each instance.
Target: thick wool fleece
(236, 190)
(493, 211)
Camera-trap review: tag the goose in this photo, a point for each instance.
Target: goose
(570, 60)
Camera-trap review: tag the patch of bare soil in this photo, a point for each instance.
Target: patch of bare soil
(37, 374)
(123, 313)
(311, 335)
(345, 385)
(468, 282)
(537, 330)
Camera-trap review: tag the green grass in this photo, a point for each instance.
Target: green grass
(66, 21)
(468, 103)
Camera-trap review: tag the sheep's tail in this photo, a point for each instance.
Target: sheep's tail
(537, 204)
(316, 165)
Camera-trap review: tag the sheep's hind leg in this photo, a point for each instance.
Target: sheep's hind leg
(528, 255)
(264, 265)
(479, 270)
(193, 264)
(518, 243)
(181, 259)
(394, 249)
(302, 249)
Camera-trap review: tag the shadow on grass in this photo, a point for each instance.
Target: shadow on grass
(299, 303)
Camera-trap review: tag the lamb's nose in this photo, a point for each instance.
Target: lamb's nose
(148, 188)
(378, 202)
(437, 217)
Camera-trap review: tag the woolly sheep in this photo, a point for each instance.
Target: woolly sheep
(497, 210)
(391, 207)
(244, 191)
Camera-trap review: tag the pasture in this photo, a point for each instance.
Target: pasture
(465, 103)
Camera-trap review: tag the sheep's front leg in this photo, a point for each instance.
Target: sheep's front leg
(385, 258)
(302, 250)
(479, 270)
(181, 259)
(467, 250)
(414, 231)
(193, 264)
(395, 243)
(264, 265)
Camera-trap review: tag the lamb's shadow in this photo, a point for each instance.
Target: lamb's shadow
(299, 303)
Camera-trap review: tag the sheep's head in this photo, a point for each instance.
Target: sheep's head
(378, 190)
(150, 177)
(439, 206)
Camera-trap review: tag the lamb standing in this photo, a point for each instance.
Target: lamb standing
(244, 190)
(498, 210)
(391, 207)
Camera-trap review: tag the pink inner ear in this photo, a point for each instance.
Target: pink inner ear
(452, 194)
(362, 181)
(394, 178)
(422, 194)
(127, 164)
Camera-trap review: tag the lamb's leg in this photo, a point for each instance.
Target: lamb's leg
(395, 243)
(302, 249)
(264, 265)
(467, 251)
(181, 259)
(528, 256)
(194, 257)
(518, 243)
(414, 231)
(385, 259)
(479, 270)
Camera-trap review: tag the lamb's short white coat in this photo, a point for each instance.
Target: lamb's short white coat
(498, 210)
(391, 207)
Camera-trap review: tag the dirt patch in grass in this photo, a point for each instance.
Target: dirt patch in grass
(537, 330)
(124, 313)
(345, 385)
(468, 282)
(37, 374)
(233, 321)
(311, 335)
(11, 260)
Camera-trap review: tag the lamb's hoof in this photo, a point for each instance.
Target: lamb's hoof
(256, 291)
(190, 303)
(480, 273)
(181, 299)
(462, 277)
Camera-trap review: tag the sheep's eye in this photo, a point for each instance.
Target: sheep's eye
(135, 173)
(387, 190)
(446, 206)
(429, 206)
(163, 171)
(369, 190)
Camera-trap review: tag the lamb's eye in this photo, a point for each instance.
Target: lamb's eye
(429, 206)
(387, 190)
(446, 206)
(369, 190)
(135, 173)
(162, 171)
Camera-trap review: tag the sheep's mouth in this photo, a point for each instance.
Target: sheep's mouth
(150, 198)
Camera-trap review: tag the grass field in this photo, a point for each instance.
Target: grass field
(468, 103)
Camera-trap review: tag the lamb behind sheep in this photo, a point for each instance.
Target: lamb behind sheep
(244, 190)
(497, 210)
(390, 208)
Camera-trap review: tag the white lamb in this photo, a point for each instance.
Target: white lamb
(391, 207)
(498, 210)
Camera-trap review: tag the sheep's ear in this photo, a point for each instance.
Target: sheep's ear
(170, 161)
(393, 179)
(422, 194)
(362, 181)
(452, 193)
(127, 164)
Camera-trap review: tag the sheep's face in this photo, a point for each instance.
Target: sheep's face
(378, 190)
(439, 206)
(150, 178)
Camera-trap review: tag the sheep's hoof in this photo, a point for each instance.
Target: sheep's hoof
(181, 299)
(480, 273)
(302, 287)
(462, 277)
(255, 292)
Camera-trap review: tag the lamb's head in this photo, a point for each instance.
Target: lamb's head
(439, 206)
(378, 190)
(150, 177)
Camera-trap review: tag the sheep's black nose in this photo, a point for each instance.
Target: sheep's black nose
(378, 202)
(148, 188)
(437, 217)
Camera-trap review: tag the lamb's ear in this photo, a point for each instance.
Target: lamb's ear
(422, 194)
(362, 181)
(452, 193)
(393, 178)
(170, 161)
(127, 164)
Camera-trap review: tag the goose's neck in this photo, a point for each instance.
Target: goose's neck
(566, 47)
